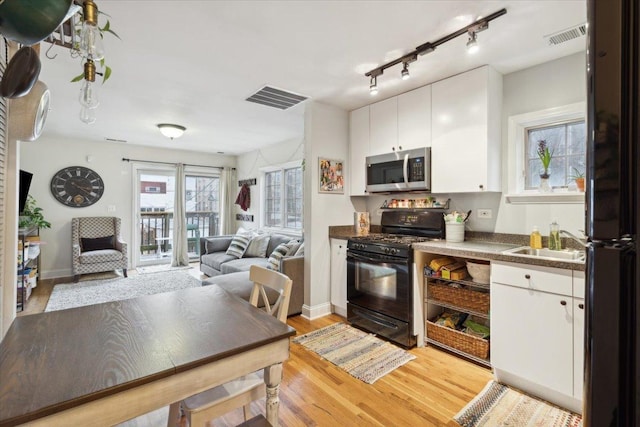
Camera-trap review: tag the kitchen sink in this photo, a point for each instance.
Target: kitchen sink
(564, 254)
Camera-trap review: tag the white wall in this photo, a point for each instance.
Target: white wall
(46, 156)
(552, 84)
(326, 135)
(249, 164)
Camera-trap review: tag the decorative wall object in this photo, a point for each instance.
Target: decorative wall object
(331, 176)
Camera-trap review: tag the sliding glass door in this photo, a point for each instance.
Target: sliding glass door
(154, 210)
(202, 207)
(156, 193)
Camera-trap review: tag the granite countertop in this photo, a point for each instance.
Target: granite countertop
(493, 251)
(479, 245)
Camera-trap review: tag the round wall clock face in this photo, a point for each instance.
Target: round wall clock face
(77, 186)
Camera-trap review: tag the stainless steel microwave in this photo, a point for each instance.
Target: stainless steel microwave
(408, 170)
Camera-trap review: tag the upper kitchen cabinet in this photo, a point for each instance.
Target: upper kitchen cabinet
(401, 123)
(465, 139)
(358, 151)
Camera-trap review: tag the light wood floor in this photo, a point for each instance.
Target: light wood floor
(427, 391)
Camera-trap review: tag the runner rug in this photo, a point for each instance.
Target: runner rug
(359, 353)
(499, 405)
(70, 295)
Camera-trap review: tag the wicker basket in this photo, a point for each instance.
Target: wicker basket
(459, 340)
(460, 297)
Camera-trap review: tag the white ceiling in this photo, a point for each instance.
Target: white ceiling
(195, 62)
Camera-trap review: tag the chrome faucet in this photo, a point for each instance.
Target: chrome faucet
(581, 242)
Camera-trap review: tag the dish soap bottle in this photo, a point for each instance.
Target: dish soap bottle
(535, 240)
(554, 237)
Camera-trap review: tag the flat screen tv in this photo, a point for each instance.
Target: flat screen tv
(25, 183)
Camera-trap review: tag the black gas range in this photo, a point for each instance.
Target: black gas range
(380, 288)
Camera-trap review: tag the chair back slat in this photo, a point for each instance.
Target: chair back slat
(263, 277)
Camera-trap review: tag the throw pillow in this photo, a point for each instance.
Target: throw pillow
(258, 246)
(280, 251)
(300, 251)
(97, 244)
(239, 244)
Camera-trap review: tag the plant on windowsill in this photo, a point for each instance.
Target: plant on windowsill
(578, 177)
(545, 158)
(32, 215)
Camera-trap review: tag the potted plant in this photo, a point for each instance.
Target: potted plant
(545, 158)
(32, 215)
(578, 177)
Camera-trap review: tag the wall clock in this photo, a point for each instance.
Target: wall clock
(77, 186)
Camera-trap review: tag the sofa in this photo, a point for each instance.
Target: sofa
(232, 272)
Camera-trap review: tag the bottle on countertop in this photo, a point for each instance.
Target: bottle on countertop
(535, 239)
(554, 237)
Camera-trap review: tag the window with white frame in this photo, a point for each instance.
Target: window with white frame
(564, 133)
(565, 144)
(282, 197)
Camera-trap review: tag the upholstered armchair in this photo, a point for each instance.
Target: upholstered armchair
(97, 245)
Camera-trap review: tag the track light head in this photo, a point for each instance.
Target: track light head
(373, 86)
(405, 71)
(472, 43)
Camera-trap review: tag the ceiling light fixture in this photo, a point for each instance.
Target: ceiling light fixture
(373, 82)
(471, 29)
(89, 94)
(472, 44)
(171, 131)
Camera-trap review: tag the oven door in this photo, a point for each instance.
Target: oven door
(380, 283)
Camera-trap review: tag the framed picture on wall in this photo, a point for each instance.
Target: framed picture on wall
(331, 176)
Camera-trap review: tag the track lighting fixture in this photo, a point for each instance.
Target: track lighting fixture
(373, 82)
(405, 71)
(472, 45)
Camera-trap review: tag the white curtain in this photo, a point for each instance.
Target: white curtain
(180, 247)
(227, 198)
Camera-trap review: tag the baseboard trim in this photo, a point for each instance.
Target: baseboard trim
(316, 311)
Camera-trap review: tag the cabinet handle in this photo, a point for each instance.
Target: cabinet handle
(393, 148)
(563, 302)
(581, 306)
(527, 276)
(400, 147)
(481, 186)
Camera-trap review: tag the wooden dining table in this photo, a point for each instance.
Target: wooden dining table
(103, 364)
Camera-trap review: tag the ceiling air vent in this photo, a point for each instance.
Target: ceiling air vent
(277, 98)
(566, 35)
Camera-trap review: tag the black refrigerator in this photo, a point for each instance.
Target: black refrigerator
(612, 327)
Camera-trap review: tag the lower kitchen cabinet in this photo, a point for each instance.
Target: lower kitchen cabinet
(537, 327)
(339, 276)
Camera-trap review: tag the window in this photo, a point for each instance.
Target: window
(566, 142)
(563, 128)
(282, 197)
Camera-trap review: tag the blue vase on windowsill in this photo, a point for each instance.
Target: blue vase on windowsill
(544, 186)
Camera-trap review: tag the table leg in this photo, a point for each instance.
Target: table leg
(272, 379)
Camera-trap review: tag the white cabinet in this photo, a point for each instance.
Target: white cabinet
(536, 329)
(358, 151)
(402, 122)
(414, 118)
(384, 126)
(339, 276)
(465, 136)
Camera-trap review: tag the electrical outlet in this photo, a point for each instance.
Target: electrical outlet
(111, 208)
(484, 213)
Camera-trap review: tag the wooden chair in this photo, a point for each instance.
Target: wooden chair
(219, 400)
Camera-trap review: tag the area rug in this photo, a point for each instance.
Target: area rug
(359, 353)
(160, 268)
(70, 295)
(499, 405)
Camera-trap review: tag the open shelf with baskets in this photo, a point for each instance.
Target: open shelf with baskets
(464, 298)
